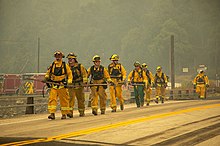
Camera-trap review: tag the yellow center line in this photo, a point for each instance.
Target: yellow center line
(111, 126)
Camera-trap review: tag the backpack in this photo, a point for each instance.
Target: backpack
(200, 80)
(75, 74)
(158, 79)
(114, 73)
(58, 71)
(140, 74)
(97, 75)
(148, 76)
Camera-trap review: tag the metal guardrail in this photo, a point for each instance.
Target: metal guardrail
(27, 101)
(186, 93)
(30, 105)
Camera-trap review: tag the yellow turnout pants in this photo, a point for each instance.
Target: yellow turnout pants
(98, 94)
(160, 92)
(77, 93)
(148, 92)
(115, 91)
(63, 95)
(201, 90)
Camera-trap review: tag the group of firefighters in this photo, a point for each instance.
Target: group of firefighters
(67, 81)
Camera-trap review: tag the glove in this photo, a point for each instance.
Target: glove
(145, 84)
(109, 81)
(152, 84)
(85, 81)
(129, 83)
(45, 80)
(69, 82)
(64, 83)
(165, 85)
(123, 81)
(194, 86)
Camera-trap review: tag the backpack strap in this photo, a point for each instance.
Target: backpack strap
(148, 76)
(109, 67)
(92, 71)
(120, 67)
(102, 68)
(79, 68)
(51, 67)
(64, 66)
(162, 76)
(132, 79)
(142, 71)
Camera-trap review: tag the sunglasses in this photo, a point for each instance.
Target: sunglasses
(70, 58)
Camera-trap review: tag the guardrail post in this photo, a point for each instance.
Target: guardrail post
(187, 92)
(194, 93)
(180, 93)
(171, 94)
(213, 90)
(30, 109)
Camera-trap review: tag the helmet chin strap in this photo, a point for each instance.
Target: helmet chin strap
(115, 61)
(96, 64)
(58, 59)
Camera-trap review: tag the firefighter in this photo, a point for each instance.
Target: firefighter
(99, 75)
(138, 79)
(160, 82)
(57, 73)
(201, 83)
(79, 74)
(150, 79)
(118, 75)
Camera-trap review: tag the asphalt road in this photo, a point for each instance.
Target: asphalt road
(188, 122)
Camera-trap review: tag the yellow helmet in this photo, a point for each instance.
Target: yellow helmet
(96, 58)
(159, 68)
(58, 53)
(114, 57)
(136, 63)
(144, 65)
(71, 55)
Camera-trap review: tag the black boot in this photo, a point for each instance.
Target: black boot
(51, 116)
(102, 112)
(70, 115)
(113, 110)
(122, 107)
(156, 101)
(94, 112)
(81, 114)
(63, 117)
(162, 100)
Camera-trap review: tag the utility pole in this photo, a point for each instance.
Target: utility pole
(172, 71)
(38, 55)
